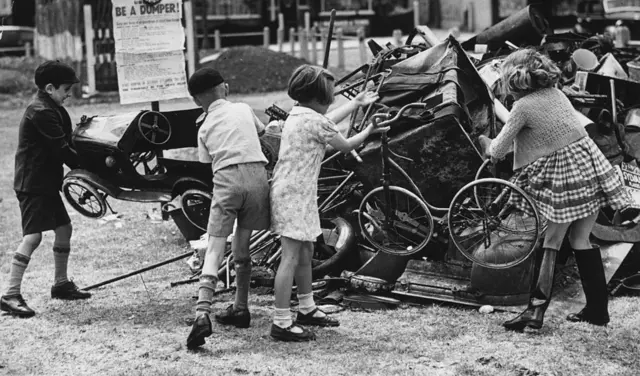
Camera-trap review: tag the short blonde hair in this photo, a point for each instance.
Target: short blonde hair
(309, 82)
(525, 71)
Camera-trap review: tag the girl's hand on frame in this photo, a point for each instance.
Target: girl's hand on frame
(365, 98)
(376, 130)
(484, 142)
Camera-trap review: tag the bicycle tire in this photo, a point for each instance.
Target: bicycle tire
(417, 231)
(483, 219)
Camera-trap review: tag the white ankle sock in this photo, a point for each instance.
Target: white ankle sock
(306, 303)
(282, 317)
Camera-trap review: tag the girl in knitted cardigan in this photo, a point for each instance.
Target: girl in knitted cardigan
(564, 172)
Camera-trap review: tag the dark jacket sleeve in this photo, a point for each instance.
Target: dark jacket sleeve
(47, 122)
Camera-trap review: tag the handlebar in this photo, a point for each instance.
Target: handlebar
(389, 119)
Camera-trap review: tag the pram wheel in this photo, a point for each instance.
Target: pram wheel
(494, 223)
(399, 223)
(83, 197)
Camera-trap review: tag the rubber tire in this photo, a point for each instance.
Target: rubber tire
(335, 264)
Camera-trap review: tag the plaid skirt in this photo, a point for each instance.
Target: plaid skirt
(571, 183)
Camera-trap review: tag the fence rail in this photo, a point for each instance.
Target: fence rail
(308, 40)
(27, 49)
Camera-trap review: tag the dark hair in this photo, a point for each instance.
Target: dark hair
(309, 82)
(56, 73)
(204, 79)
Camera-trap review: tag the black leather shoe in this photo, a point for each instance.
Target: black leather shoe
(532, 317)
(240, 318)
(585, 316)
(68, 291)
(199, 331)
(286, 335)
(16, 306)
(308, 319)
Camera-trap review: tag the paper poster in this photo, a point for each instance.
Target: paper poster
(138, 27)
(149, 44)
(631, 177)
(147, 77)
(620, 6)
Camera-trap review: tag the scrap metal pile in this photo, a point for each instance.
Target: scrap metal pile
(435, 157)
(416, 213)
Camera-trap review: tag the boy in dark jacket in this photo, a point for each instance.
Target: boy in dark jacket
(44, 145)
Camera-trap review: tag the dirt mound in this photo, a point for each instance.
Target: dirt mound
(250, 69)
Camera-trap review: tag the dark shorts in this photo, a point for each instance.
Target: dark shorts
(41, 213)
(239, 192)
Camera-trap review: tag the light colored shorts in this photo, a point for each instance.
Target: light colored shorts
(239, 191)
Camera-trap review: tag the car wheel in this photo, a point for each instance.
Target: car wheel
(196, 205)
(84, 198)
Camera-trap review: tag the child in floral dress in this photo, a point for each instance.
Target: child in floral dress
(294, 190)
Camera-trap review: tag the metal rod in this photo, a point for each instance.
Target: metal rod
(136, 272)
(327, 49)
(335, 191)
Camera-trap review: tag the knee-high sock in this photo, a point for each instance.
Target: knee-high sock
(243, 281)
(61, 262)
(205, 293)
(19, 264)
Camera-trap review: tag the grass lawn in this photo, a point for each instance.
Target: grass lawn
(138, 326)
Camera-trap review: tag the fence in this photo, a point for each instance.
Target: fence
(217, 37)
(27, 49)
(307, 42)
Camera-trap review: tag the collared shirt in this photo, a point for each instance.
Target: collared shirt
(44, 140)
(229, 135)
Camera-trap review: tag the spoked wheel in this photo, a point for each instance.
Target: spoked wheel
(396, 221)
(154, 127)
(196, 205)
(83, 197)
(494, 223)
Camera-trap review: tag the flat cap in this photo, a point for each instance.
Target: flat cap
(204, 79)
(55, 72)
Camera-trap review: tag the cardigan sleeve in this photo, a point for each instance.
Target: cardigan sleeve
(501, 145)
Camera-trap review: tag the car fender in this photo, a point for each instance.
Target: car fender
(95, 180)
(185, 183)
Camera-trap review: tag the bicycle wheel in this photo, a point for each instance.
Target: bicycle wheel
(405, 230)
(494, 223)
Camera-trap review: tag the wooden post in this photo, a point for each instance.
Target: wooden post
(304, 44)
(272, 10)
(265, 37)
(280, 21)
(88, 43)
(314, 46)
(471, 18)
(217, 43)
(307, 22)
(280, 36)
(340, 40)
(416, 13)
(292, 39)
(361, 47)
(205, 25)
(27, 49)
(191, 39)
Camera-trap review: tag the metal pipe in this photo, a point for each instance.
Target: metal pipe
(136, 272)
